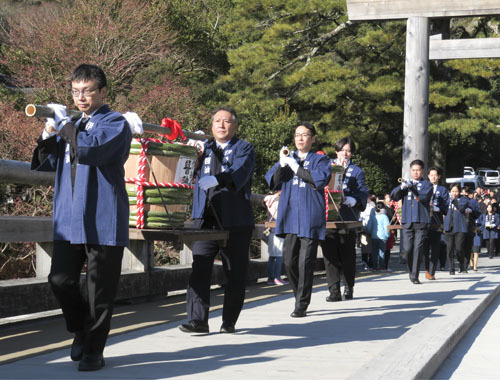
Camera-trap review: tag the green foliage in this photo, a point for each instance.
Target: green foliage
(377, 180)
(268, 130)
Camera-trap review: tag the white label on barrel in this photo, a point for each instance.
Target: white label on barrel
(337, 184)
(185, 170)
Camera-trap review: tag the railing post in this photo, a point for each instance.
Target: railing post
(186, 255)
(43, 258)
(138, 256)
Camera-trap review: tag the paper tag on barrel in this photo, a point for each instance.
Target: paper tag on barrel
(185, 170)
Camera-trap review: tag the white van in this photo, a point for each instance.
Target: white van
(491, 178)
(471, 183)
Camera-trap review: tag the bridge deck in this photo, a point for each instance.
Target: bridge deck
(392, 329)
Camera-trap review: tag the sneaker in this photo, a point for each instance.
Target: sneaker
(279, 282)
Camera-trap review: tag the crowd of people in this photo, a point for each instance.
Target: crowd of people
(91, 214)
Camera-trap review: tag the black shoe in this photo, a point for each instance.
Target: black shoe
(441, 269)
(77, 347)
(91, 362)
(335, 297)
(227, 328)
(298, 314)
(416, 281)
(348, 292)
(194, 327)
(452, 272)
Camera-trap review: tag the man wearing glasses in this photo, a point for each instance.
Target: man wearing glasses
(90, 210)
(301, 177)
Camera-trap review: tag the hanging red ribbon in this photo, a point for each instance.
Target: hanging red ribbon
(175, 129)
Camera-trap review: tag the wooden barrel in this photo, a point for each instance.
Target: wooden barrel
(165, 206)
(335, 194)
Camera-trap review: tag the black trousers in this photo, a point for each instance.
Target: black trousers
(455, 245)
(468, 243)
(235, 256)
(442, 254)
(432, 251)
(414, 240)
(299, 257)
(89, 311)
(339, 255)
(491, 246)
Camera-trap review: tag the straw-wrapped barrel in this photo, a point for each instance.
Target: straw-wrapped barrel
(159, 178)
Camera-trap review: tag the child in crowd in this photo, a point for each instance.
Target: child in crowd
(379, 234)
(274, 243)
(366, 217)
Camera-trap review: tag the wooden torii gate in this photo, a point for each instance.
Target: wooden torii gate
(420, 48)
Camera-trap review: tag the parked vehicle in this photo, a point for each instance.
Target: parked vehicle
(469, 172)
(491, 178)
(471, 183)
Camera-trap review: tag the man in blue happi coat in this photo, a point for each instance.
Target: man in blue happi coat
(437, 209)
(339, 247)
(221, 201)
(416, 195)
(90, 212)
(301, 177)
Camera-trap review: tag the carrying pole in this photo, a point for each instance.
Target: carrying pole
(35, 110)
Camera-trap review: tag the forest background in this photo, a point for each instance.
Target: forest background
(277, 62)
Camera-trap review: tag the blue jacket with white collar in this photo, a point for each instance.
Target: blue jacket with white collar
(95, 210)
(301, 208)
(458, 207)
(232, 196)
(416, 200)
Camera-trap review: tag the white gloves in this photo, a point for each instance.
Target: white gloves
(60, 117)
(435, 208)
(134, 122)
(350, 201)
(468, 210)
(272, 202)
(198, 144)
(290, 161)
(207, 182)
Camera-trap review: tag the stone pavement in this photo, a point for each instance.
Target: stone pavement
(392, 329)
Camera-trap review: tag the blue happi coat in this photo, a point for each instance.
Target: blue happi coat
(460, 223)
(97, 210)
(232, 196)
(415, 203)
(492, 232)
(301, 208)
(440, 198)
(353, 185)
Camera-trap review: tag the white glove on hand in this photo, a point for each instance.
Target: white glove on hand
(435, 208)
(350, 201)
(50, 128)
(272, 202)
(283, 150)
(198, 144)
(207, 182)
(134, 122)
(468, 210)
(290, 161)
(404, 185)
(60, 117)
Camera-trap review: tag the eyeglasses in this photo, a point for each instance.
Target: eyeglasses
(86, 92)
(303, 135)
